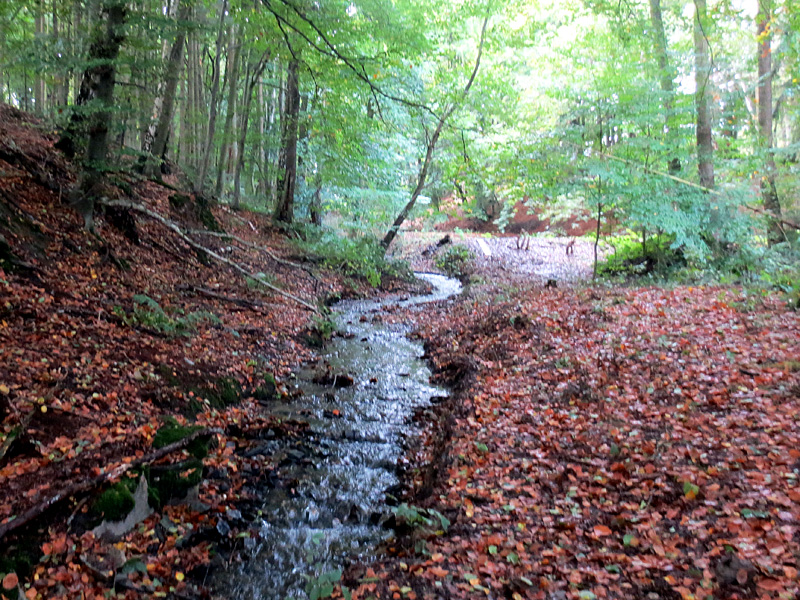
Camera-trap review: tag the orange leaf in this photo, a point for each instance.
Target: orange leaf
(771, 585)
(31, 594)
(601, 530)
(10, 581)
(438, 571)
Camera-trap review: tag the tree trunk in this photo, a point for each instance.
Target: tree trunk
(98, 87)
(315, 209)
(173, 73)
(423, 171)
(232, 82)
(287, 175)
(665, 77)
(212, 117)
(769, 190)
(38, 83)
(705, 147)
(254, 72)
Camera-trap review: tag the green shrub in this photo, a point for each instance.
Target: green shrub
(456, 261)
(361, 257)
(633, 258)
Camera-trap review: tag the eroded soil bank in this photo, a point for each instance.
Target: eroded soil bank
(628, 443)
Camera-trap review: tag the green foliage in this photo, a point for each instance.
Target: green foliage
(632, 257)
(362, 257)
(456, 262)
(780, 269)
(427, 520)
(148, 313)
(321, 586)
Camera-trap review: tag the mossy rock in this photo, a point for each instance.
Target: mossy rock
(172, 431)
(178, 202)
(173, 482)
(225, 392)
(114, 504)
(268, 390)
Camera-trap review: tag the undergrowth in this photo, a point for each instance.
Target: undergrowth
(362, 257)
(175, 321)
(456, 262)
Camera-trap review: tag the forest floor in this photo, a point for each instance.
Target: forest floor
(116, 351)
(628, 442)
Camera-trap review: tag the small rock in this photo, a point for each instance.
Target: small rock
(223, 528)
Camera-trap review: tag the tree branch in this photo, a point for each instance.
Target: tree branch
(235, 266)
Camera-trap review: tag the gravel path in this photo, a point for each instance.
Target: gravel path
(545, 258)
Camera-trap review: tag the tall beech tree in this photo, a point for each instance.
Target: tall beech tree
(769, 189)
(702, 79)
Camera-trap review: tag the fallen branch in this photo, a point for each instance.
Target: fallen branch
(235, 266)
(243, 242)
(85, 486)
(216, 296)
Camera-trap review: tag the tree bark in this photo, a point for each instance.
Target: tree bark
(38, 82)
(98, 87)
(665, 76)
(173, 73)
(287, 162)
(212, 117)
(423, 171)
(254, 72)
(705, 145)
(769, 190)
(232, 82)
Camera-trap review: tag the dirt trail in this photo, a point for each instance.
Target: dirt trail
(546, 257)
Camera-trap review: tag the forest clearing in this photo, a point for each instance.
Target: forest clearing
(357, 299)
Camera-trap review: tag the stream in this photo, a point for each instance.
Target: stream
(342, 470)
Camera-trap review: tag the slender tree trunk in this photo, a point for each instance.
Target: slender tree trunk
(423, 172)
(705, 145)
(769, 190)
(315, 210)
(38, 83)
(261, 186)
(665, 76)
(232, 82)
(254, 73)
(287, 162)
(171, 77)
(98, 87)
(212, 117)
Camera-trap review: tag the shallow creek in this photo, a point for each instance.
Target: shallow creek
(341, 471)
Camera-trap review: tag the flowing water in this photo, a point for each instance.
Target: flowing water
(330, 513)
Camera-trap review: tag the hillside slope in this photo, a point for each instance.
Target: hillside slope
(113, 349)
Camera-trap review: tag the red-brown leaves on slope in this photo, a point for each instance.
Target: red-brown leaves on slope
(618, 444)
